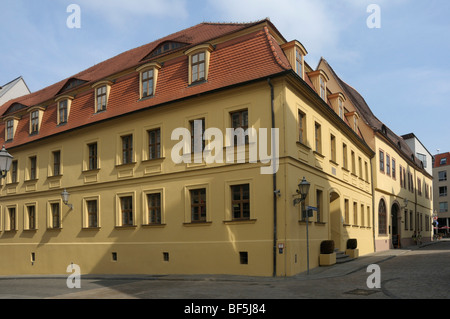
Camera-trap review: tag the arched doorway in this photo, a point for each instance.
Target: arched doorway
(335, 219)
(395, 229)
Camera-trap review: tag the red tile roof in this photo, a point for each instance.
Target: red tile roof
(249, 57)
(438, 157)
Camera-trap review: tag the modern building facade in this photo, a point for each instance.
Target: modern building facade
(13, 89)
(420, 151)
(441, 185)
(158, 182)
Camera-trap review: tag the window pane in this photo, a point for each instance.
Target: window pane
(240, 201)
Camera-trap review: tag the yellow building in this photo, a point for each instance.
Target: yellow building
(402, 192)
(148, 196)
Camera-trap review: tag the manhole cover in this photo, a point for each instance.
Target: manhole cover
(361, 292)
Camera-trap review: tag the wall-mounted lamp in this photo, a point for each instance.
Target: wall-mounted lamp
(405, 202)
(303, 189)
(65, 198)
(5, 162)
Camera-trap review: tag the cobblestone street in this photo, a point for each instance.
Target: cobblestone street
(405, 274)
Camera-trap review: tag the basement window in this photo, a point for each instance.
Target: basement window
(243, 257)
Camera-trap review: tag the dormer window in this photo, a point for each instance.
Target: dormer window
(11, 125)
(165, 48)
(299, 63)
(101, 98)
(35, 119)
(9, 130)
(323, 88)
(337, 102)
(319, 79)
(148, 75)
(34, 127)
(353, 119)
(62, 111)
(199, 62)
(101, 90)
(198, 67)
(295, 52)
(63, 104)
(341, 108)
(147, 83)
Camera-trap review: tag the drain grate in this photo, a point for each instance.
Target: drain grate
(361, 292)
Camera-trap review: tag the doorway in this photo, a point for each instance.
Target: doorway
(395, 229)
(335, 219)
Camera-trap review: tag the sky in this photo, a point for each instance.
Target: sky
(397, 56)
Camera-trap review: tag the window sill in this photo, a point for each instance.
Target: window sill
(12, 184)
(100, 112)
(319, 154)
(154, 225)
(302, 145)
(239, 221)
(94, 170)
(197, 223)
(334, 162)
(126, 164)
(125, 227)
(146, 98)
(91, 228)
(197, 83)
(153, 160)
(54, 176)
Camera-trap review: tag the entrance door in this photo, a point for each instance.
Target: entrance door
(335, 219)
(394, 226)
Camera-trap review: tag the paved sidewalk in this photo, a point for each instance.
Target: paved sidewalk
(334, 285)
(357, 264)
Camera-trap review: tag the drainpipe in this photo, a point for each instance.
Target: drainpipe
(373, 204)
(274, 181)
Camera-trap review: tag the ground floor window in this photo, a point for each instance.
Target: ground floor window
(382, 221)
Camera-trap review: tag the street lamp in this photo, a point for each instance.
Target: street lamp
(5, 162)
(65, 198)
(303, 189)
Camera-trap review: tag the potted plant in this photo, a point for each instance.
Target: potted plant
(352, 251)
(327, 255)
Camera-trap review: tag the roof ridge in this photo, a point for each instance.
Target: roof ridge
(272, 48)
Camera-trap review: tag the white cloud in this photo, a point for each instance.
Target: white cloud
(119, 11)
(316, 24)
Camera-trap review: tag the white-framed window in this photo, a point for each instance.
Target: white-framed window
(148, 76)
(63, 104)
(54, 216)
(199, 57)
(91, 212)
(126, 209)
